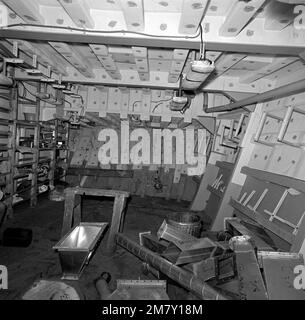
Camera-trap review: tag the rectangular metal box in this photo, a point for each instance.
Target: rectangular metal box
(77, 247)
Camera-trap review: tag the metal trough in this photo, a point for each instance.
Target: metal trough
(77, 247)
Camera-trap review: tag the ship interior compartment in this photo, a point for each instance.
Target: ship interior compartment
(152, 150)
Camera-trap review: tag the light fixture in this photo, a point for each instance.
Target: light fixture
(198, 73)
(180, 102)
(200, 68)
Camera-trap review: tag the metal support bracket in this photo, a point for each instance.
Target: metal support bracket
(273, 215)
(257, 136)
(222, 138)
(240, 124)
(285, 124)
(259, 201)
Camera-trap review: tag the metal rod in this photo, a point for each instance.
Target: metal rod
(232, 123)
(261, 198)
(285, 124)
(242, 198)
(284, 91)
(278, 206)
(239, 125)
(183, 277)
(249, 198)
(261, 126)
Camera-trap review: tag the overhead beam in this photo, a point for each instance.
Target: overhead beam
(98, 81)
(278, 15)
(177, 65)
(292, 1)
(141, 58)
(191, 15)
(73, 57)
(228, 84)
(57, 59)
(227, 61)
(224, 63)
(26, 10)
(226, 44)
(106, 60)
(133, 14)
(277, 64)
(277, 93)
(44, 57)
(79, 12)
(7, 49)
(239, 16)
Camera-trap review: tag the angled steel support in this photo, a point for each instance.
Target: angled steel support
(284, 91)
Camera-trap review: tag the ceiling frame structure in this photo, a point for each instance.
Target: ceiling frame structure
(138, 43)
(266, 46)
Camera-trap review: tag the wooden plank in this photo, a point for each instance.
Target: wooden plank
(278, 179)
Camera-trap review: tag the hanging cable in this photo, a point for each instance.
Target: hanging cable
(202, 47)
(156, 106)
(33, 94)
(97, 31)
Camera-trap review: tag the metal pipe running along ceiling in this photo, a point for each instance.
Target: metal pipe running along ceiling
(284, 91)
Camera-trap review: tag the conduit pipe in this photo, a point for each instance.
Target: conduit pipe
(284, 91)
(186, 279)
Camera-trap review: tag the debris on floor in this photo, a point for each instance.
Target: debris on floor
(51, 290)
(230, 269)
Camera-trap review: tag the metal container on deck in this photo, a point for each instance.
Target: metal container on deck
(77, 247)
(186, 222)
